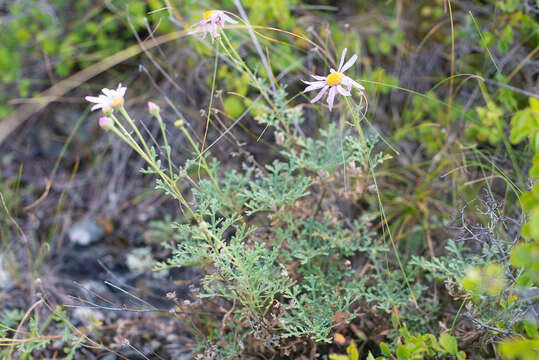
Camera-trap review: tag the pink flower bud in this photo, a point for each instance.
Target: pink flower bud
(153, 108)
(106, 123)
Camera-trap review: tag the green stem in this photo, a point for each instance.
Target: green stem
(457, 316)
(211, 96)
(132, 123)
(211, 238)
(167, 147)
(203, 159)
(127, 136)
(239, 61)
(129, 141)
(357, 123)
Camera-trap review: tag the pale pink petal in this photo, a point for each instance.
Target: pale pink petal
(318, 77)
(217, 16)
(214, 31)
(346, 82)
(205, 29)
(121, 90)
(200, 27)
(342, 59)
(320, 94)
(349, 63)
(342, 91)
(332, 70)
(228, 18)
(315, 86)
(331, 97)
(92, 99)
(97, 107)
(354, 84)
(108, 92)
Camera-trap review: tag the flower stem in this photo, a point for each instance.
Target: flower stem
(233, 54)
(132, 123)
(357, 124)
(167, 147)
(202, 158)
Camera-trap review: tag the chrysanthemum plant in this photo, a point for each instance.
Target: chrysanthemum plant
(276, 249)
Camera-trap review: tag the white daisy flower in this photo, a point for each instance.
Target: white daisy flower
(109, 100)
(334, 82)
(212, 22)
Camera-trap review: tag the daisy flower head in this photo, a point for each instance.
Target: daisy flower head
(109, 100)
(212, 22)
(336, 82)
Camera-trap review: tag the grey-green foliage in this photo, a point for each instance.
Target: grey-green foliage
(313, 238)
(27, 347)
(313, 306)
(34, 331)
(252, 270)
(501, 312)
(326, 153)
(234, 338)
(281, 117)
(286, 269)
(276, 191)
(247, 273)
(495, 245)
(450, 267)
(329, 286)
(332, 150)
(8, 319)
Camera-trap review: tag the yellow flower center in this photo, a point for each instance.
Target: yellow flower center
(334, 79)
(208, 14)
(117, 102)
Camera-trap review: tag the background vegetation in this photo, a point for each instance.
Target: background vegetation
(305, 239)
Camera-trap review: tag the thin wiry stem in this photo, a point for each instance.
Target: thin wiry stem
(357, 124)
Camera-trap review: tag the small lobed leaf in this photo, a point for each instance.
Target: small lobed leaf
(449, 343)
(403, 353)
(385, 350)
(352, 351)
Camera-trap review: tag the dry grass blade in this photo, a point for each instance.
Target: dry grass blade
(59, 89)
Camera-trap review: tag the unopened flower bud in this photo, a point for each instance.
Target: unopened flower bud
(179, 123)
(106, 123)
(153, 108)
(279, 138)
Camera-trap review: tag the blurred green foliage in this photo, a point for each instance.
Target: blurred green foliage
(417, 347)
(487, 125)
(37, 38)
